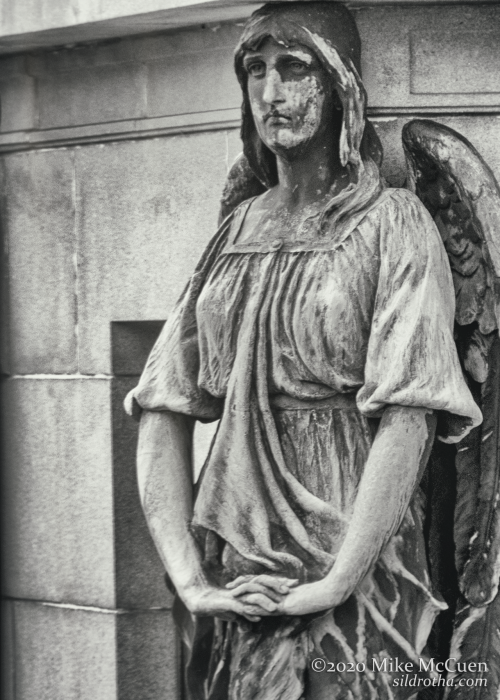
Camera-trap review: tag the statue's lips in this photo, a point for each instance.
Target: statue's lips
(277, 119)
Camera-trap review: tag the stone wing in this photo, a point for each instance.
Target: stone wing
(462, 195)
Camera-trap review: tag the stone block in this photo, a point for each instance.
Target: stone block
(202, 38)
(385, 54)
(128, 49)
(19, 110)
(432, 56)
(142, 229)
(147, 656)
(180, 73)
(193, 82)
(64, 653)
(38, 220)
(57, 491)
(7, 650)
(455, 63)
(86, 96)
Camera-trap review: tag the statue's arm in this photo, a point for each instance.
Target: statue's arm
(165, 486)
(166, 490)
(395, 464)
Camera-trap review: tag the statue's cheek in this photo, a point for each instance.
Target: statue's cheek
(258, 110)
(305, 99)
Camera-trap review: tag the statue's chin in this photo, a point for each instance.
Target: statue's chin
(289, 145)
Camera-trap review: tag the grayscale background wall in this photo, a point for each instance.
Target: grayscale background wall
(118, 127)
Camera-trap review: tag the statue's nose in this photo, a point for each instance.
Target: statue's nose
(273, 90)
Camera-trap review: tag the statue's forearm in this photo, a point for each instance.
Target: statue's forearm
(165, 486)
(396, 462)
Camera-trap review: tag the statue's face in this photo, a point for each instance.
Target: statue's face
(288, 92)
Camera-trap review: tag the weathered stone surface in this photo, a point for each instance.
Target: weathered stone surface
(130, 49)
(101, 94)
(193, 82)
(7, 651)
(38, 224)
(18, 97)
(147, 656)
(391, 71)
(142, 229)
(385, 54)
(461, 62)
(64, 654)
(57, 492)
(182, 73)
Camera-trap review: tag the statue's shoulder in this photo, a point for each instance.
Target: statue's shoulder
(398, 205)
(399, 198)
(404, 225)
(235, 215)
(389, 203)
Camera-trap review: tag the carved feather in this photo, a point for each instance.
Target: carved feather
(462, 195)
(481, 573)
(476, 640)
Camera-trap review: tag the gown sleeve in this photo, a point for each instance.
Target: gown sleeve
(169, 381)
(412, 357)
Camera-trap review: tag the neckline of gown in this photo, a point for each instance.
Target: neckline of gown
(345, 212)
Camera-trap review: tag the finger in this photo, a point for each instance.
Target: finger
(227, 616)
(261, 600)
(253, 587)
(238, 581)
(280, 584)
(250, 612)
(257, 611)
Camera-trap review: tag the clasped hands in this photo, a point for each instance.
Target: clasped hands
(254, 597)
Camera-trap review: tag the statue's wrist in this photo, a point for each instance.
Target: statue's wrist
(193, 587)
(337, 590)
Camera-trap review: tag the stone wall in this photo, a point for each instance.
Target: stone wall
(113, 158)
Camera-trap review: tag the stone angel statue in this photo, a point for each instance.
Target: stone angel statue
(343, 536)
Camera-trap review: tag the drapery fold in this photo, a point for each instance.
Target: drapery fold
(246, 458)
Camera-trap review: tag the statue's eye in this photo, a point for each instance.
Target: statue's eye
(256, 69)
(298, 67)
